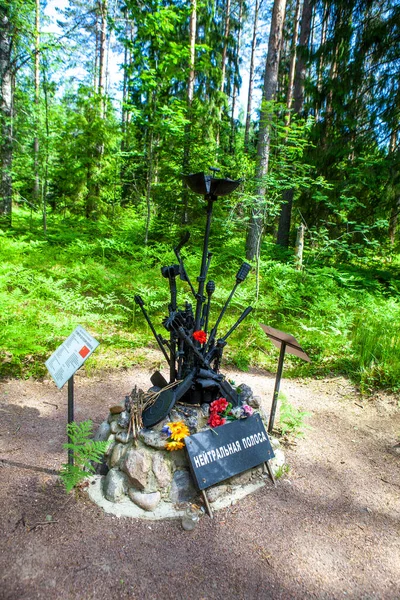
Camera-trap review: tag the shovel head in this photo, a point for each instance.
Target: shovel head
(165, 402)
(159, 410)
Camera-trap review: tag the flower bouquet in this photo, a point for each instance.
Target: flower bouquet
(222, 411)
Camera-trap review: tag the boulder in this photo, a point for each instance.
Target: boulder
(115, 410)
(136, 465)
(103, 432)
(154, 439)
(123, 437)
(182, 488)
(115, 485)
(246, 393)
(123, 420)
(116, 455)
(162, 469)
(148, 502)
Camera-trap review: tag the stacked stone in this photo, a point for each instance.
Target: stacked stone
(145, 471)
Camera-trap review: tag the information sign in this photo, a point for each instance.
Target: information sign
(227, 450)
(71, 355)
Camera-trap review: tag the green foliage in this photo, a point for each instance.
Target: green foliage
(87, 273)
(375, 341)
(85, 450)
(291, 419)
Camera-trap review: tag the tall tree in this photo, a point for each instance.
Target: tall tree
(36, 190)
(297, 76)
(6, 108)
(254, 233)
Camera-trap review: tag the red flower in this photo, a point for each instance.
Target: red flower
(215, 420)
(200, 336)
(219, 405)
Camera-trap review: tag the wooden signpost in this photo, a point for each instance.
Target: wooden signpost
(286, 343)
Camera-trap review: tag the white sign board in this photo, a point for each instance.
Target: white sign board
(71, 355)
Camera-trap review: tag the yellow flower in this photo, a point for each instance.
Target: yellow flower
(174, 445)
(178, 430)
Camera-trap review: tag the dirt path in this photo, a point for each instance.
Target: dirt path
(330, 529)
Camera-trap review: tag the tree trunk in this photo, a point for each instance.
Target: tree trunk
(37, 92)
(102, 54)
(324, 29)
(299, 247)
(46, 163)
(285, 216)
(269, 93)
(226, 40)
(190, 93)
(6, 109)
(289, 95)
(235, 88)
(301, 63)
(395, 212)
(251, 76)
(223, 62)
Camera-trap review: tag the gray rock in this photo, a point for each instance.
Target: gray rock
(112, 418)
(136, 465)
(279, 460)
(162, 469)
(205, 410)
(146, 501)
(151, 485)
(182, 488)
(123, 437)
(115, 428)
(116, 455)
(275, 443)
(123, 420)
(216, 492)
(246, 393)
(115, 485)
(111, 444)
(179, 459)
(255, 402)
(186, 414)
(103, 432)
(154, 439)
(161, 424)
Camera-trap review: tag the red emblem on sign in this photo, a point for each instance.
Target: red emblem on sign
(84, 351)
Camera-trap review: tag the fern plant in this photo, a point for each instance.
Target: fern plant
(86, 452)
(291, 419)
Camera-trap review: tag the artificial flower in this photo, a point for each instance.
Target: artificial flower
(219, 405)
(166, 430)
(216, 420)
(248, 410)
(237, 412)
(174, 445)
(200, 336)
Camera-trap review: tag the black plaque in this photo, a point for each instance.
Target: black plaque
(227, 450)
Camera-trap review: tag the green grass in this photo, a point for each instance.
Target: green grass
(345, 317)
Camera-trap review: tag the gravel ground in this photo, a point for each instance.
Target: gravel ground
(329, 529)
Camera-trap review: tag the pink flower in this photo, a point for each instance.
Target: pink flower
(248, 410)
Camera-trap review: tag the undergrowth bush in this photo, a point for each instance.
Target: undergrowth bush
(85, 452)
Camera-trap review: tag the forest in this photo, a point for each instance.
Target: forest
(91, 194)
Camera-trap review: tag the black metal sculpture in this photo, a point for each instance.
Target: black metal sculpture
(193, 361)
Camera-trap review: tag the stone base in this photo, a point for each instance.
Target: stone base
(146, 481)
